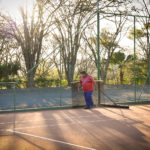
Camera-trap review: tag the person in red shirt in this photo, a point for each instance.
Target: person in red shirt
(88, 84)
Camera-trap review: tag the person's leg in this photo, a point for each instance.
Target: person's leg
(86, 99)
(90, 100)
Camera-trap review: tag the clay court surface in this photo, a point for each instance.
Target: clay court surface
(77, 129)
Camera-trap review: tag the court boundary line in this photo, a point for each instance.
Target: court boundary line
(52, 140)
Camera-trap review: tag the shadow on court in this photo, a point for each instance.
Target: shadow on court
(77, 129)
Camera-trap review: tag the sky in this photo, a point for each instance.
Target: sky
(12, 6)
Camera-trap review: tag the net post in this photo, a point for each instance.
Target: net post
(148, 47)
(60, 82)
(14, 96)
(98, 50)
(14, 109)
(135, 58)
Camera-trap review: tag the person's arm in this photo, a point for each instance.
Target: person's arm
(94, 86)
(79, 85)
(94, 83)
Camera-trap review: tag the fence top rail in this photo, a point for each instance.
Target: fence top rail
(123, 14)
(97, 81)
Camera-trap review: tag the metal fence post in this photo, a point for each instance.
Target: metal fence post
(14, 101)
(98, 50)
(60, 84)
(135, 58)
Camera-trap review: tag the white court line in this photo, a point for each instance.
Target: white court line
(77, 123)
(52, 140)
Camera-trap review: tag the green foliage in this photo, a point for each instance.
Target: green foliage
(140, 33)
(129, 58)
(141, 71)
(10, 69)
(128, 72)
(123, 65)
(44, 82)
(147, 26)
(107, 39)
(118, 58)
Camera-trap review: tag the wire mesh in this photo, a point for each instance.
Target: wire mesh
(122, 67)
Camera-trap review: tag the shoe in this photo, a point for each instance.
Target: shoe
(87, 108)
(93, 106)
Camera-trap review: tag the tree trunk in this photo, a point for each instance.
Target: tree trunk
(121, 76)
(30, 79)
(31, 69)
(106, 69)
(70, 73)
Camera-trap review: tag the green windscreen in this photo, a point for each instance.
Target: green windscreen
(7, 96)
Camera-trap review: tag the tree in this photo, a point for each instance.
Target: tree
(9, 64)
(30, 33)
(121, 60)
(85, 62)
(109, 43)
(69, 34)
(70, 30)
(143, 34)
(8, 71)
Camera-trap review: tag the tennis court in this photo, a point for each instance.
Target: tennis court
(75, 129)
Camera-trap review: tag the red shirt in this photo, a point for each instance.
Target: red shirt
(87, 83)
